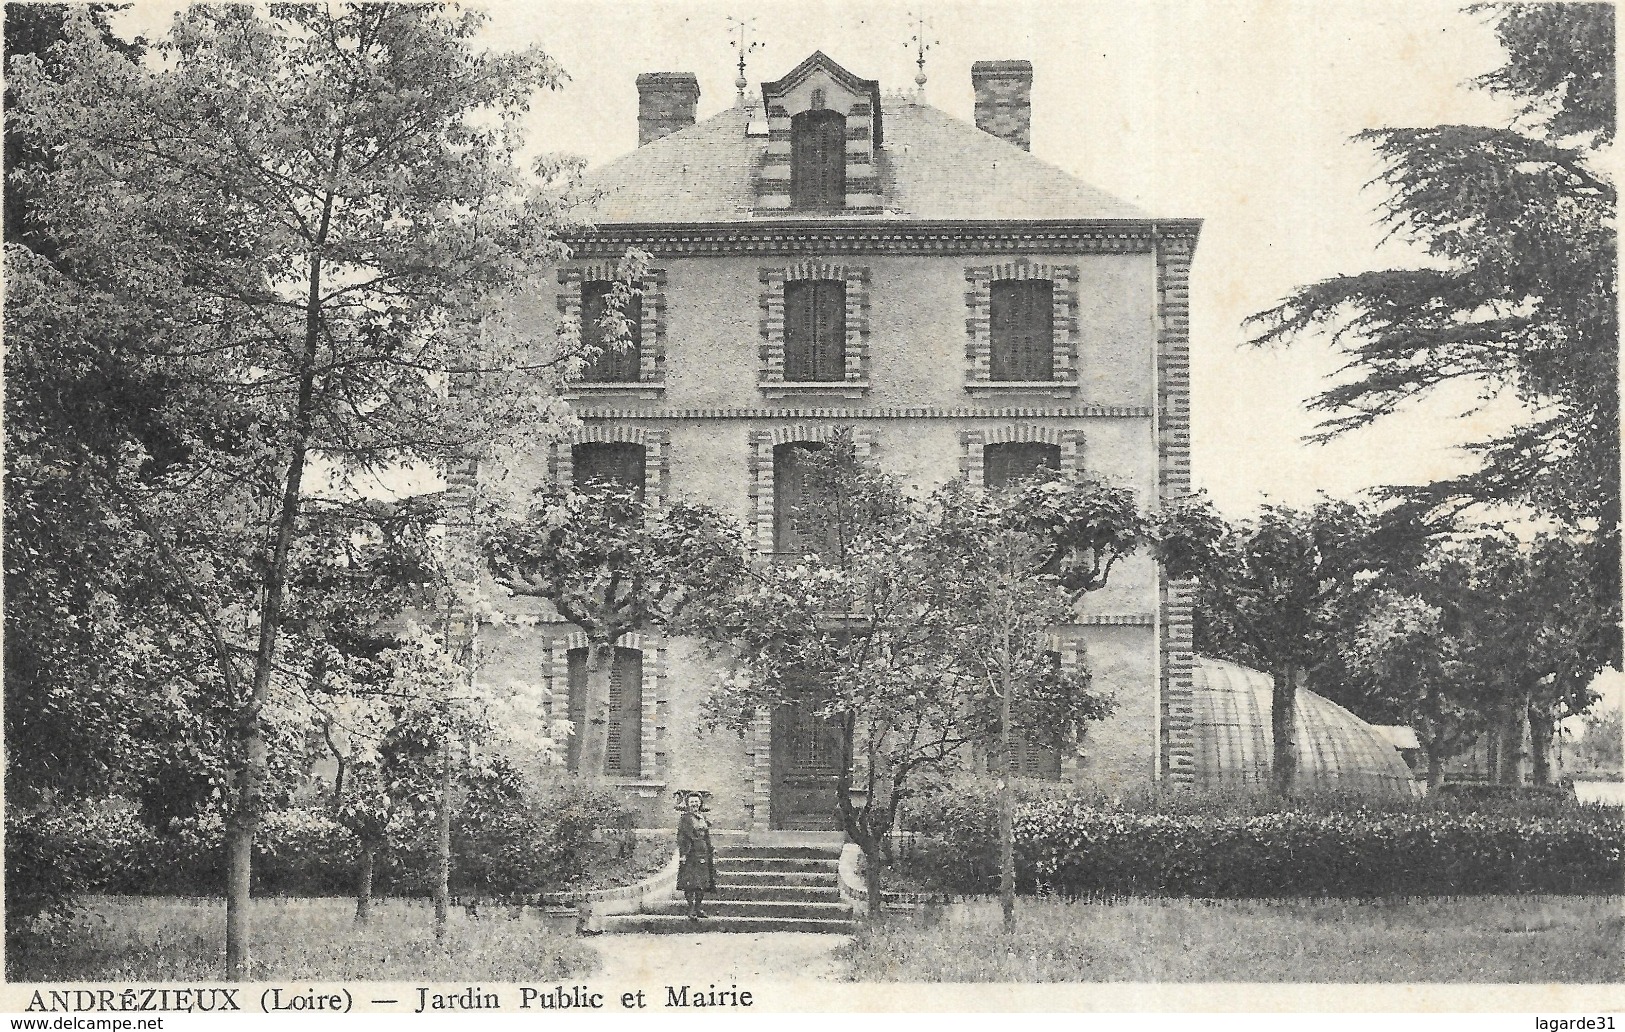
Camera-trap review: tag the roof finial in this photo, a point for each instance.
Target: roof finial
(742, 30)
(920, 44)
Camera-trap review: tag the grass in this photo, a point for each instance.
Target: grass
(129, 939)
(1481, 939)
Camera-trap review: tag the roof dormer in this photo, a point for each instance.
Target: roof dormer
(824, 134)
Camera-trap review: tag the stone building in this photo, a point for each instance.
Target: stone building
(830, 256)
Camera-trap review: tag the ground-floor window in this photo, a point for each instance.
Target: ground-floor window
(624, 737)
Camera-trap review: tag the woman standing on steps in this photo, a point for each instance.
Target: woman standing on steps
(696, 864)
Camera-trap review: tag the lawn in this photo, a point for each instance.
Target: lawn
(130, 939)
(1480, 939)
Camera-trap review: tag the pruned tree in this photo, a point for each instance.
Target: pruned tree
(1276, 591)
(612, 563)
(1414, 672)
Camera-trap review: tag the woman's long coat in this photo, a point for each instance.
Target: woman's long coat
(696, 864)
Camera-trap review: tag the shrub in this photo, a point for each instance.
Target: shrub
(1256, 847)
(539, 841)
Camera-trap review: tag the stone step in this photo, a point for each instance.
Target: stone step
(779, 852)
(813, 879)
(727, 908)
(791, 893)
(666, 924)
(756, 864)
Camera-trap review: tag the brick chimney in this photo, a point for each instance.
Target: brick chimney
(1004, 100)
(666, 102)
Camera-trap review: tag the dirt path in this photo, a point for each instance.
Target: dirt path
(719, 957)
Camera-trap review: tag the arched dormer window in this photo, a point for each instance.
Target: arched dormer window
(818, 159)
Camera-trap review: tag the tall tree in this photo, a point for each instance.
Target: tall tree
(297, 226)
(1521, 295)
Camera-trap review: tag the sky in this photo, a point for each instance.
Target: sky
(1239, 113)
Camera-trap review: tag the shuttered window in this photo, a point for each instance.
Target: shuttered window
(814, 330)
(1037, 752)
(623, 743)
(790, 495)
(818, 160)
(577, 711)
(609, 463)
(1004, 464)
(619, 364)
(1023, 330)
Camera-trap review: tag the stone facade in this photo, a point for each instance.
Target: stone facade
(916, 393)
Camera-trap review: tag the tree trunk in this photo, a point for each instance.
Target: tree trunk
(1007, 803)
(442, 880)
(239, 869)
(1512, 750)
(1435, 768)
(594, 729)
(254, 754)
(363, 890)
(871, 879)
(1283, 729)
(1542, 729)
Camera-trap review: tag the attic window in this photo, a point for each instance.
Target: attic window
(818, 159)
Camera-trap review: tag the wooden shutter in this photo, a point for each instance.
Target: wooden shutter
(818, 159)
(615, 364)
(577, 705)
(789, 489)
(814, 331)
(829, 331)
(800, 329)
(1022, 327)
(611, 462)
(624, 742)
(1004, 464)
(790, 493)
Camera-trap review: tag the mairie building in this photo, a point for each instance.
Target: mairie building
(829, 255)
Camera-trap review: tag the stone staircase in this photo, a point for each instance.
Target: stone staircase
(759, 889)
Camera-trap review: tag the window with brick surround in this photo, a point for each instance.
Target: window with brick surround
(623, 756)
(617, 463)
(621, 364)
(790, 495)
(1022, 328)
(815, 331)
(1037, 750)
(818, 159)
(1004, 464)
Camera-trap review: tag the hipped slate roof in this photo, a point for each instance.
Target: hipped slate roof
(932, 167)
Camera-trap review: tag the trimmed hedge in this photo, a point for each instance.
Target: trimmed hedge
(1081, 848)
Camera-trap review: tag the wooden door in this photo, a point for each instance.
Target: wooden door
(807, 758)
